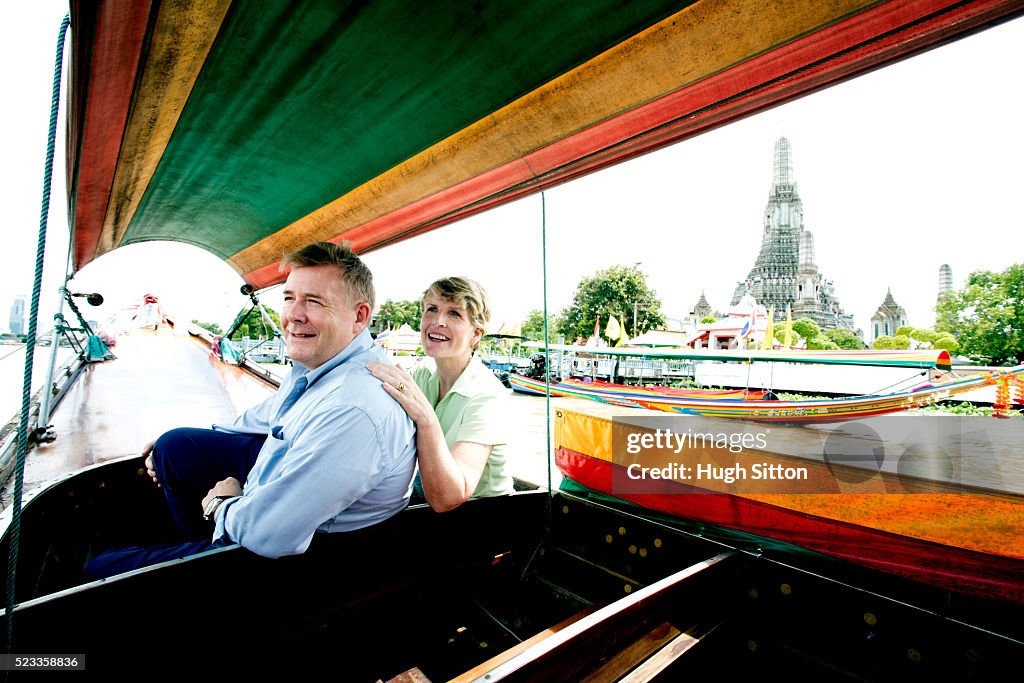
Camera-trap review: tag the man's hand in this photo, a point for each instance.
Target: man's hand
(224, 487)
(150, 470)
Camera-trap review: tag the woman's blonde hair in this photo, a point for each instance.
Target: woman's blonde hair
(466, 294)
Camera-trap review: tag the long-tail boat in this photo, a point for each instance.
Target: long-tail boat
(754, 405)
(249, 128)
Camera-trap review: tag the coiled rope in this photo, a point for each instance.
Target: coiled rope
(30, 340)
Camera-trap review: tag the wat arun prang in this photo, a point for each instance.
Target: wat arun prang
(785, 273)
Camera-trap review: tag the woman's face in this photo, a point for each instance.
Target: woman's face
(445, 329)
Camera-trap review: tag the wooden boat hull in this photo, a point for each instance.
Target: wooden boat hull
(963, 540)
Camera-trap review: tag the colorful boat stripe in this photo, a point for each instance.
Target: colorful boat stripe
(110, 40)
(963, 540)
(964, 543)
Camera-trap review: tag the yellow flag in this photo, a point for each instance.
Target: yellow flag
(623, 337)
(613, 329)
(769, 333)
(789, 330)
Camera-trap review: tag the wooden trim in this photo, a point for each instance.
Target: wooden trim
(604, 627)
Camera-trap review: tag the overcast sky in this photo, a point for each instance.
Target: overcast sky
(900, 171)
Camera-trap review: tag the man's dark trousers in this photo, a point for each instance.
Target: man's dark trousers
(188, 463)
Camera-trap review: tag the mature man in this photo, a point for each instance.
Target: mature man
(328, 452)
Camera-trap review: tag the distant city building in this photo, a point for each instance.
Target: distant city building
(785, 273)
(17, 319)
(945, 281)
(889, 317)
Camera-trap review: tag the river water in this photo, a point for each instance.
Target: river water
(12, 374)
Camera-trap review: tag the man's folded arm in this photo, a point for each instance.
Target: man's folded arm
(334, 460)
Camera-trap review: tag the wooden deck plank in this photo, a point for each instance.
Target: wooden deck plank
(482, 669)
(634, 654)
(160, 380)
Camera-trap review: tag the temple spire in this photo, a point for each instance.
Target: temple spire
(782, 179)
(945, 281)
(807, 261)
(785, 273)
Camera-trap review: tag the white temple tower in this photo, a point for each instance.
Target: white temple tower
(785, 273)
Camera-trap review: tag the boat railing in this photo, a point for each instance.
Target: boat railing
(63, 379)
(641, 368)
(262, 350)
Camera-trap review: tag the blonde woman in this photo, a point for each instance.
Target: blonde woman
(461, 438)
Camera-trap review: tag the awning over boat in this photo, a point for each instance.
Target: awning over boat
(923, 358)
(251, 128)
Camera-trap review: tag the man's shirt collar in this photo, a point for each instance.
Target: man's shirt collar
(359, 344)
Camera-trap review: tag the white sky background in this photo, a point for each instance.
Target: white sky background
(900, 171)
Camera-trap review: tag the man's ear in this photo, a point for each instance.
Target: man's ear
(362, 315)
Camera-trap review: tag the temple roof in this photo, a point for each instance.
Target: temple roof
(889, 308)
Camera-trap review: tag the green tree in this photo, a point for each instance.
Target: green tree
(923, 335)
(708, 319)
(822, 343)
(394, 314)
(212, 328)
(901, 341)
(904, 331)
(533, 327)
(613, 291)
(254, 326)
(944, 340)
(987, 316)
(816, 338)
(883, 342)
(806, 328)
(844, 339)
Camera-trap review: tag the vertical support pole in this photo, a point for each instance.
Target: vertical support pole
(46, 401)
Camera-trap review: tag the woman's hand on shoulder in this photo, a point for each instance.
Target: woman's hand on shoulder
(403, 388)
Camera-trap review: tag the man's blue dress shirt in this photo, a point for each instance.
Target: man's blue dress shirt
(342, 457)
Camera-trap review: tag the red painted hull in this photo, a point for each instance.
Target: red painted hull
(974, 573)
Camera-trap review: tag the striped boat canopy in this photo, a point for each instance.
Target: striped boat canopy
(937, 358)
(250, 128)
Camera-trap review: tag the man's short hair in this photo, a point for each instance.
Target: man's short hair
(356, 277)
(466, 294)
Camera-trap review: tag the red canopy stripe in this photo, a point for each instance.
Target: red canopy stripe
(115, 57)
